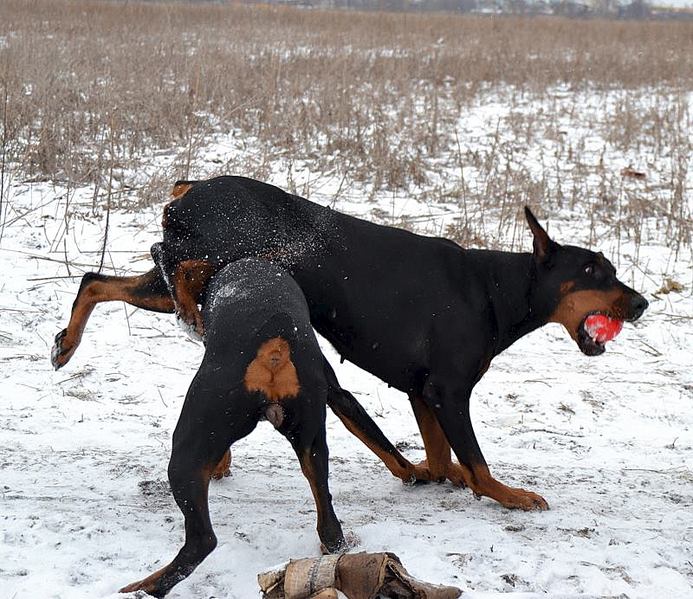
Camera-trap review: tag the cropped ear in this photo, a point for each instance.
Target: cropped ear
(543, 244)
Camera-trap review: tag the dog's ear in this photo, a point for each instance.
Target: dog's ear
(544, 246)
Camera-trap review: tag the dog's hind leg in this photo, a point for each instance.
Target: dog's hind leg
(210, 421)
(314, 465)
(361, 425)
(190, 484)
(147, 291)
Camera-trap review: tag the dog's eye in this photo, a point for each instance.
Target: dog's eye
(589, 270)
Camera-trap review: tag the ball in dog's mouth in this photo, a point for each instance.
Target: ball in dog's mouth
(595, 331)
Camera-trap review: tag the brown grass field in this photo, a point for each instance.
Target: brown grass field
(90, 90)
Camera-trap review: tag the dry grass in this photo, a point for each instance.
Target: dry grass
(94, 89)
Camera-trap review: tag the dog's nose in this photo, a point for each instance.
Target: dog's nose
(638, 304)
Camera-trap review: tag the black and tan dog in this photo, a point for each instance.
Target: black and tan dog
(423, 314)
(262, 361)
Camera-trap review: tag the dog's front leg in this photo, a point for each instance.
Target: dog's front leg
(146, 291)
(451, 409)
(186, 281)
(438, 465)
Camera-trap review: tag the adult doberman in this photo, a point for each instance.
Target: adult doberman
(423, 314)
(262, 361)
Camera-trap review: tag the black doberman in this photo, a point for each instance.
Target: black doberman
(423, 314)
(262, 361)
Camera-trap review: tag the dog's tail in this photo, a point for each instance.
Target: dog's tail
(181, 187)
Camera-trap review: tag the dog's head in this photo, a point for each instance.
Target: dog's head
(579, 289)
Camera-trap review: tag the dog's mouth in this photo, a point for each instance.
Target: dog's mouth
(595, 331)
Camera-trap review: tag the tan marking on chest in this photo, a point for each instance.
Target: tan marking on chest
(272, 372)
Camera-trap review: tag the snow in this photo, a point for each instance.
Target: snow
(85, 506)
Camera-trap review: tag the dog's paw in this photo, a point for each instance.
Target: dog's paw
(191, 330)
(148, 587)
(344, 545)
(218, 475)
(418, 478)
(419, 474)
(525, 500)
(415, 481)
(223, 468)
(62, 351)
(139, 592)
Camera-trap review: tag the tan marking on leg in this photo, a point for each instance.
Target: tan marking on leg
(480, 481)
(574, 306)
(438, 458)
(309, 473)
(189, 279)
(272, 372)
(322, 498)
(223, 468)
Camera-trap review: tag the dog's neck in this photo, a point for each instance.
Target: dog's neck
(511, 278)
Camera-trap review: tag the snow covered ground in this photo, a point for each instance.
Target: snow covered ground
(84, 502)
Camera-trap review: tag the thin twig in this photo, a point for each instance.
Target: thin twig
(125, 309)
(39, 257)
(2, 161)
(55, 278)
(550, 432)
(67, 263)
(24, 214)
(108, 203)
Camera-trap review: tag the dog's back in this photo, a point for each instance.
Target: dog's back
(260, 299)
(350, 270)
(276, 224)
(259, 338)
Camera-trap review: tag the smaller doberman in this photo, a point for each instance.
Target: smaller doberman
(262, 361)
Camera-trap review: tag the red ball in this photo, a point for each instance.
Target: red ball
(602, 328)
